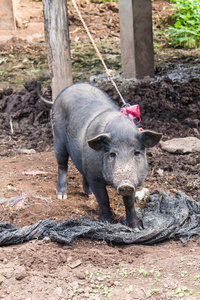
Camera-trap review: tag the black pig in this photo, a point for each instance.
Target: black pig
(104, 144)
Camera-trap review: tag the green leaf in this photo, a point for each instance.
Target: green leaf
(177, 24)
(187, 24)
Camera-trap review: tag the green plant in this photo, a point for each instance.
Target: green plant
(105, 292)
(72, 293)
(184, 273)
(99, 286)
(128, 291)
(181, 292)
(182, 259)
(157, 46)
(197, 277)
(156, 274)
(186, 30)
(124, 273)
(134, 270)
(143, 271)
(106, 277)
(153, 291)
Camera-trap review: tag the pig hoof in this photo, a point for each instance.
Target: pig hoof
(137, 225)
(61, 196)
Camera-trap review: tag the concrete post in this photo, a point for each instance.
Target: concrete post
(7, 18)
(136, 38)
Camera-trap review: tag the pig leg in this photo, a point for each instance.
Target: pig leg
(62, 182)
(86, 187)
(62, 160)
(131, 217)
(101, 195)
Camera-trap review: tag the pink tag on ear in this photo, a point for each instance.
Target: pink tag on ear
(132, 112)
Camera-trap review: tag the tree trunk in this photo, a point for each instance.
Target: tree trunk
(57, 37)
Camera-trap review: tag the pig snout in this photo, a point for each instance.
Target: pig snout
(126, 188)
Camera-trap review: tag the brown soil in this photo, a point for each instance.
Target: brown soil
(91, 269)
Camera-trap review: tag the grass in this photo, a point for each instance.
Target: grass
(185, 32)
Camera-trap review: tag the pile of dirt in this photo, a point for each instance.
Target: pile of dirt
(25, 119)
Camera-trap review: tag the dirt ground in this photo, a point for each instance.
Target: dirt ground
(28, 170)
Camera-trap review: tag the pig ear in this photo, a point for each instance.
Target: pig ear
(149, 138)
(100, 142)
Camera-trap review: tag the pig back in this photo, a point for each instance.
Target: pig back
(73, 111)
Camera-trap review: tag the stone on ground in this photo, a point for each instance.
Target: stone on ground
(182, 145)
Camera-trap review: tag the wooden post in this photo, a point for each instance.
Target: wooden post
(136, 38)
(7, 18)
(57, 37)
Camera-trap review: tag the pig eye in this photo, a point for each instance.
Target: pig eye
(137, 153)
(112, 155)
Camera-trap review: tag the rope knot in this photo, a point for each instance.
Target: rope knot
(132, 111)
